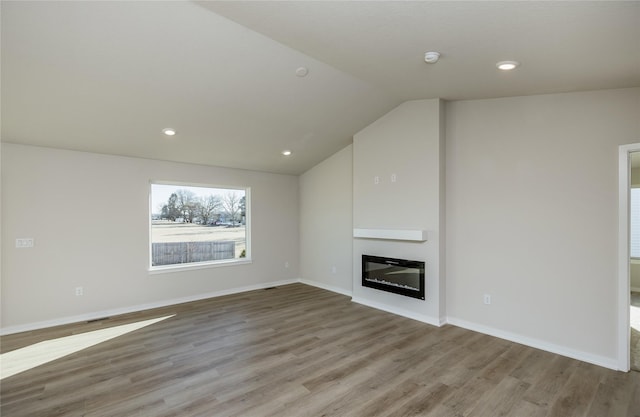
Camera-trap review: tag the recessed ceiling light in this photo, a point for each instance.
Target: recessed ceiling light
(431, 57)
(507, 65)
(169, 131)
(302, 72)
(286, 152)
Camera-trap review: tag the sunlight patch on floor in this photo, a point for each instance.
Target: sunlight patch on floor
(29, 357)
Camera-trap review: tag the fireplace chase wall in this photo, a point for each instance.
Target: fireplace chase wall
(398, 184)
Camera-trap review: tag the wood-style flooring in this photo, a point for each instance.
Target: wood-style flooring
(297, 350)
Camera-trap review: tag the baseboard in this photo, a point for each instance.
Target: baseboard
(326, 287)
(400, 312)
(603, 361)
(513, 337)
(140, 307)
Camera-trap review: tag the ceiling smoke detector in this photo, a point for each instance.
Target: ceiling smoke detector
(431, 57)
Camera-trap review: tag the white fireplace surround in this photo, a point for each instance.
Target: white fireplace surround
(391, 234)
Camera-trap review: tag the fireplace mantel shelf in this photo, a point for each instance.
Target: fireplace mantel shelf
(391, 234)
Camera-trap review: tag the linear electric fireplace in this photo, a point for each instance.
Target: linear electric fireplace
(398, 276)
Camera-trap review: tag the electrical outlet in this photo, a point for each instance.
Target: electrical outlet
(487, 299)
(286, 264)
(79, 291)
(376, 180)
(394, 177)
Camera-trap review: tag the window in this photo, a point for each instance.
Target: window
(198, 225)
(634, 221)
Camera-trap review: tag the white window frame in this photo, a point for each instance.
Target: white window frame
(206, 264)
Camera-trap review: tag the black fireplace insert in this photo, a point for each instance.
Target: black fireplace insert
(398, 276)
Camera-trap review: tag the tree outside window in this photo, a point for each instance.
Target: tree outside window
(193, 224)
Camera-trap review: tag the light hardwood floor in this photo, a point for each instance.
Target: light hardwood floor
(302, 351)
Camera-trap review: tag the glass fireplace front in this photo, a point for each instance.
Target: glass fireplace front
(399, 276)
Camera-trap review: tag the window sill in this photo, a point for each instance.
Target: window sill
(194, 266)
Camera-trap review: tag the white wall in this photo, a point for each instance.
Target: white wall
(532, 217)
(325, 223)
(531, 205)
(88, 214)
(407, 142)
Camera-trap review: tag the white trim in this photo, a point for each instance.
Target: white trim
(604, 361)
(534, 343)
(391, 234)
(624, 181)
(400, 312)
(326, 287)
(197, 265)
(140, 307)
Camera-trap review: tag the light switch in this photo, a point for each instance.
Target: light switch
(24, 243)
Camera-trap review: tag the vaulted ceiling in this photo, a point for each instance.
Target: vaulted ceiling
(107, 77)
